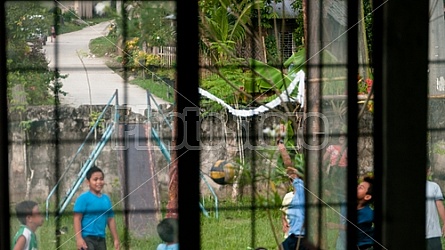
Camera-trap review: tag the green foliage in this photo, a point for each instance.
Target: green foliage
(69, 15)
(233, 229)
(32, 73)
(223, 29)
(26, 125)
(75, 24)
(439, 148)
(27, 68)
(157, 88)
(146, 20)
(299, 31)
(259, 79)
(23, 18)
(335, 83)
(225, 86)
(297, 61)
(368, 24)
(94, 118)
(271, 50)
(269, 78)
(103, 45)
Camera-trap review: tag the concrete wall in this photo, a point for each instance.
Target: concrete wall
(40, 154)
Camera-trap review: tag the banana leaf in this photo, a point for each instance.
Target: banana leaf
(267, 78)
(297, 61)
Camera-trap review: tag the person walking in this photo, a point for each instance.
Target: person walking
(53, 34)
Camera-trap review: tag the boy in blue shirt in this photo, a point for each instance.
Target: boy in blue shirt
(92, 213)
(296, 213)
(365, 215)
(365, 218)
(296, 210)
(168, 232)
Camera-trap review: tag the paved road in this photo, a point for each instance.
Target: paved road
(100, 80)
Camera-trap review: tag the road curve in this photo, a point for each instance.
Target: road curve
(98, 81)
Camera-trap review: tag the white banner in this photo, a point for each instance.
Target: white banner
(299, 79)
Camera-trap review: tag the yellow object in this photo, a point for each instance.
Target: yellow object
(223, 172)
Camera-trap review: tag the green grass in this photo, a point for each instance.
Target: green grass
(103, 45)
(232, 230)
(47, 238)
(68, 27)
(238, 226)
(235, 229)
(157, 88)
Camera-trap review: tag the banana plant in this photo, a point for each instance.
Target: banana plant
(268, 78)
(272, 78)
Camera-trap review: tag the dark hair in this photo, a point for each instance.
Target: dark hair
(93, 170)
(168, 229)
(369, 180)
(24, 209)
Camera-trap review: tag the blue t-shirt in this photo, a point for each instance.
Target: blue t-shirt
(296, 209)
(365, 218)
(164, 246)
(95, 212)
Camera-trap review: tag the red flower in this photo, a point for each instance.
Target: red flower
(368, 84)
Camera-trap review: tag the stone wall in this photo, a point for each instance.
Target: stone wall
(219, 142)
(43, 143)
(40, 154)
(436, 138)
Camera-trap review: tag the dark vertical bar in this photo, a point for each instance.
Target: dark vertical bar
(314, 208)
(4, 172)
(56, 141)
(377, 59)
(188, 109)
(403, 67)
(125, 128)
(352, 123)
(252, 143)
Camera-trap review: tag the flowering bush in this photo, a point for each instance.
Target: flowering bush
(137, 58)
(364, 87)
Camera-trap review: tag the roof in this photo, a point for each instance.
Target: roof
(289, 12)
(337, 9)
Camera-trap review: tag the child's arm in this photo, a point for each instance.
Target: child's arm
(112, 227)
(80, 242)
(284, 155)
(284, 223)
(20, 244)
(441, 211)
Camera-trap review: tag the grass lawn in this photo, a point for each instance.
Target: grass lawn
(237, 227)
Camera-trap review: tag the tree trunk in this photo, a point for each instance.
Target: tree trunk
(316, 226)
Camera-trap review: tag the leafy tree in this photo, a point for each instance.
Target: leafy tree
(299, 31)
(27, 67)
(147, 21)
(226, 23)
